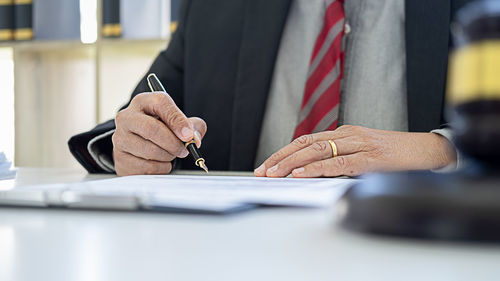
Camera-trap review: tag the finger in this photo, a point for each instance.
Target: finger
(140, 147)
(348, 145)
(316, 152)
(200, 129)
(350, 165)
(303, 142)
(127, 165)
(155, 131)
(294, 146)
(163, 106)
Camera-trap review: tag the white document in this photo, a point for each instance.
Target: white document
(199, 193)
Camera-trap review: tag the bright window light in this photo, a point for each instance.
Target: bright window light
(7, 102)
(88, 23)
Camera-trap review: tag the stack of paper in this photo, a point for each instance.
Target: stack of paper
(182, 193)
(5, 168)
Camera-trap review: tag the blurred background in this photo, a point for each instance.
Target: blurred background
(58, 69)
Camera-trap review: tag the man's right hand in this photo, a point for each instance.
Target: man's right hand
(150, 134)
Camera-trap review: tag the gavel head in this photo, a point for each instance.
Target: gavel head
(473, 94)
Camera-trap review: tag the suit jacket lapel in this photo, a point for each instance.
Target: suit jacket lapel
(427, 46)
(262, 29)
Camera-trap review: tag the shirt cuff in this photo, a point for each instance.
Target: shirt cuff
(448, 134)
(102, 159)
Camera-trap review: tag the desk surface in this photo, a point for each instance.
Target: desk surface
(266, 244)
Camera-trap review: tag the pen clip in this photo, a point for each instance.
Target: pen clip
(155, 84)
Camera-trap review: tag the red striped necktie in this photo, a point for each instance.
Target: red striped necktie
(320, 105)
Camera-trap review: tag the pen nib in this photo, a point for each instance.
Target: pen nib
(201, 163)
(204, 167)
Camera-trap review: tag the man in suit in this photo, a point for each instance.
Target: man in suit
(245, 68)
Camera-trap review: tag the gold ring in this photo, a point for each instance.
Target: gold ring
(334, 148)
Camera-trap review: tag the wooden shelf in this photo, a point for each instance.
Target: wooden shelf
(44, 45)
(125, 41)
(39, 45)
(6, 44)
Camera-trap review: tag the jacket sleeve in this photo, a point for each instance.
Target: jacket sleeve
(169, 67)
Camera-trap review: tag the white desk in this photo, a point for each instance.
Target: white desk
(266, 244)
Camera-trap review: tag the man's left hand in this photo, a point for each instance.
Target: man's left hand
(360, 150)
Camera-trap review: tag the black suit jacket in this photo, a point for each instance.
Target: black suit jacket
(219, 66)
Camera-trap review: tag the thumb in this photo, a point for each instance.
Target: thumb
(163, 106)
(200, 129)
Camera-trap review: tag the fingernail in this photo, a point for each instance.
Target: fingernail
(187, 133)
(273, 169)
(261, 169)
(197, 138)
(184, 153)
(299, 171)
